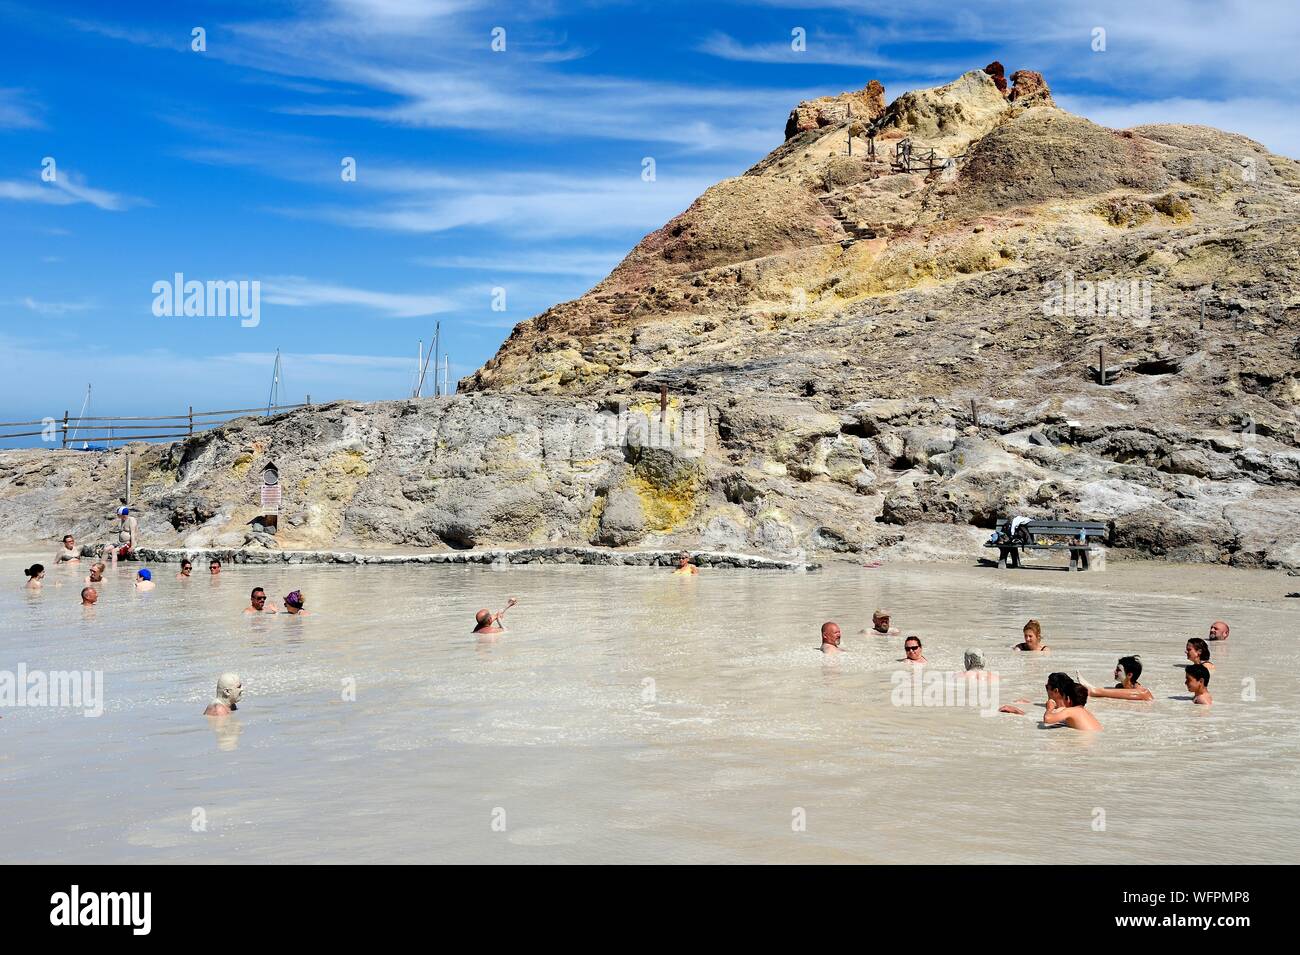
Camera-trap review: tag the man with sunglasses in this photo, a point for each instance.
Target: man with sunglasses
(912, 651)
(257, 602)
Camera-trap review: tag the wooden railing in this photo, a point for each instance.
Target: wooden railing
(70, 432)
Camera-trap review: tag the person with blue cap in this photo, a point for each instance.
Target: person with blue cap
(126, 536)
(144, 579)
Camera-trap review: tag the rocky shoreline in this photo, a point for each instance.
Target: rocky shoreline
(496, 556)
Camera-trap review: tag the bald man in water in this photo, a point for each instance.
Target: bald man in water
(831, 637)
(485, 621)
(1218, 630)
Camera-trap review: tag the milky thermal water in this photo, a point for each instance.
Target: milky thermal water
(630, 715)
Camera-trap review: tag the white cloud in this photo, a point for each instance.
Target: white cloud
(15, 114)
(1266, 121)
(582, 262)
(52, 308)
(298, 292)
(67, 189)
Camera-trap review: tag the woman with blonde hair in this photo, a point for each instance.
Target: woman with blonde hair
(1033, 639)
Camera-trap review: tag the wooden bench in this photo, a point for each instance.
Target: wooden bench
(1079, 534)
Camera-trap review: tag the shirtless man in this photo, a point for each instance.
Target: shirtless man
(96, 575)
(144, 579)
(1127, 671)
(70, 554)
(1066, 703)
(831, 637)
(1198, 682)
(912, 651)
(485, 621)
(186, 569)
(685, 567)
(214, 568)
(230, 690)
(88, 596)
(1198, 651)
(973, 660)
(1033, 633)
(880, 624)
(126, 535)
(257, 602)
(1218, 630)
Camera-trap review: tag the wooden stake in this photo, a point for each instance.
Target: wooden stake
(974, 414)
(663, 402)
(1101, 362)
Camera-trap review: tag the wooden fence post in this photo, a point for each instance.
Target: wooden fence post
(191, 421)
(663, 402)
(65, 430)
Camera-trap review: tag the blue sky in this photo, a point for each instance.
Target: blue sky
(476, 169)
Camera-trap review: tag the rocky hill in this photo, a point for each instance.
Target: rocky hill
(875, 349)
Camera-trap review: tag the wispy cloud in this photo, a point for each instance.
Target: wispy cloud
(67, 189)
(581, 262)
(52, 308)
(540, 206)
(297, 292)
(16, 112)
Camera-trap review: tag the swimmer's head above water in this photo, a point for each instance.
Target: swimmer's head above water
(973, 659)
(88, 596)
(230, 690)
(1218, 630)
(880, 620)
(831, 633)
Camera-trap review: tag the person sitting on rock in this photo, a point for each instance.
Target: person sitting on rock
(1033, 634)
(1127, 671)
(127, 530)
(70, 554)
(831, 637)
(257, 602)
(1218, 630)
(685, 567)
(485, 621)
(230, 690)
(1197, 681)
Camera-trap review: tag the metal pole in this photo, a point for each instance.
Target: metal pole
(1101, 362)
(419, 368)
(437, 335)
